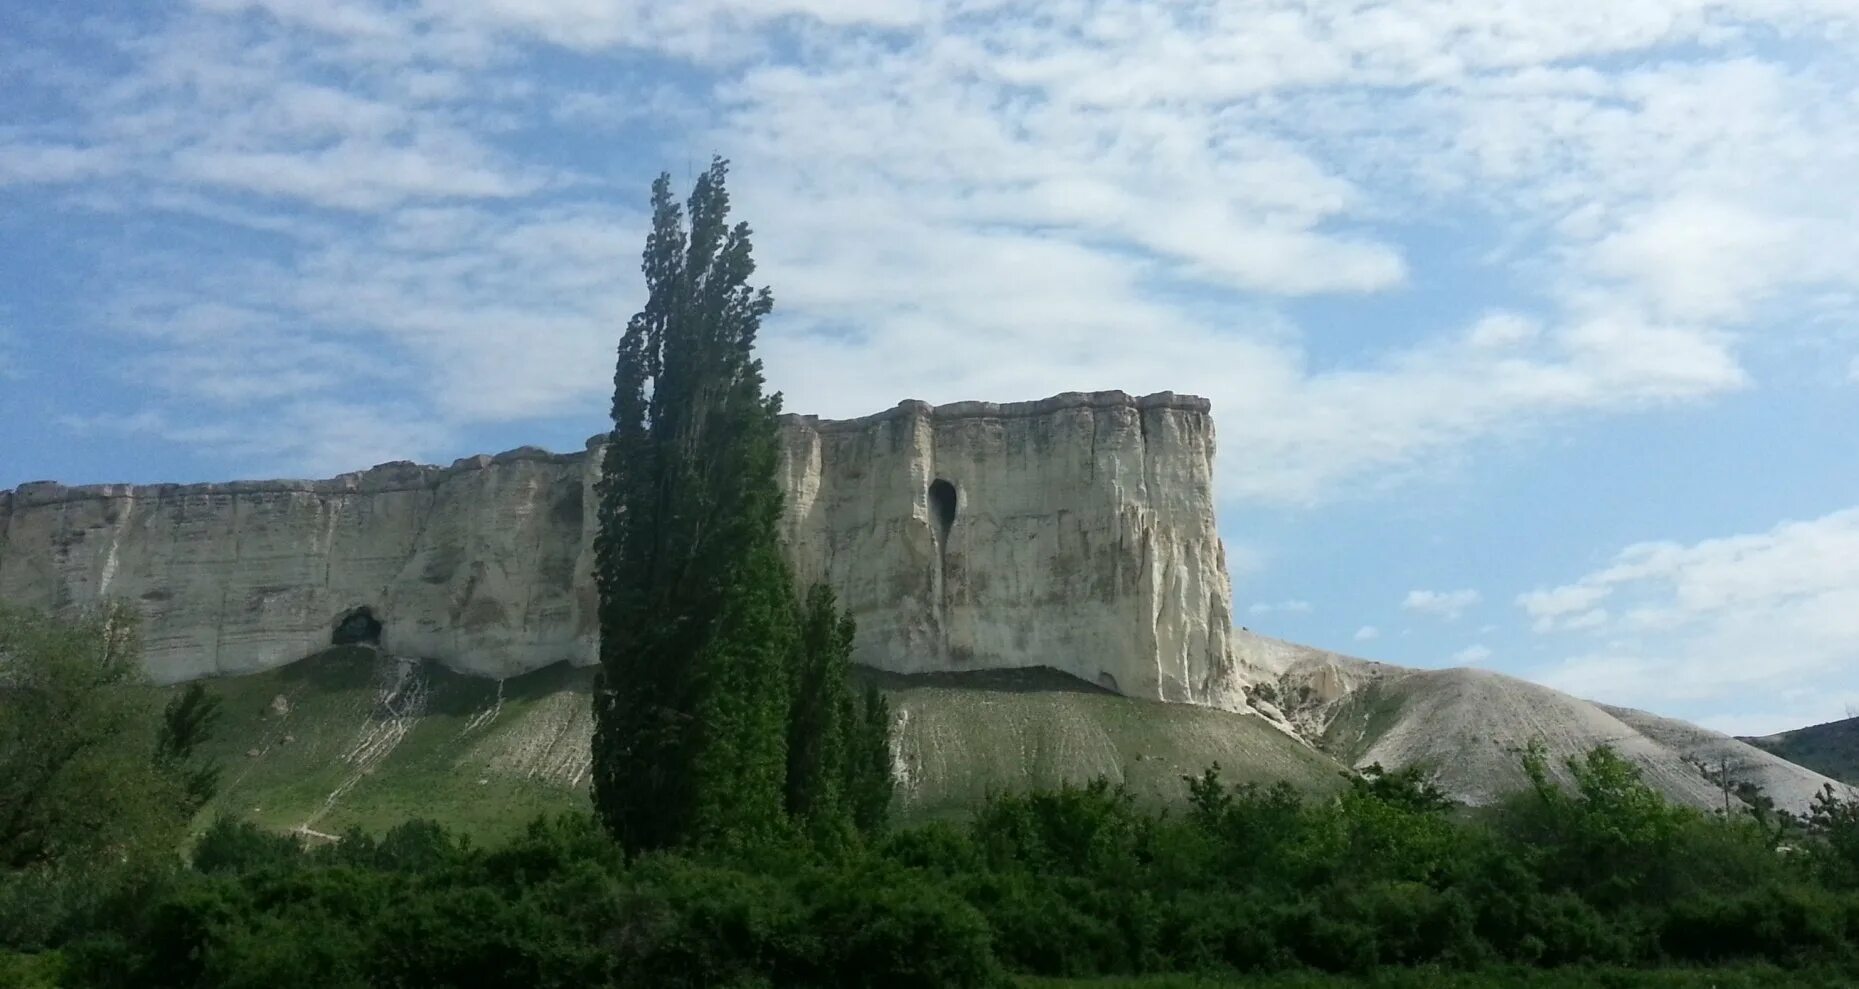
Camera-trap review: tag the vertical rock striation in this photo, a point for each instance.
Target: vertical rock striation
(475, 564)
(1075, 532)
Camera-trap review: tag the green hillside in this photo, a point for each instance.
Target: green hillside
(1831, 749)
(348, 738)
(963, 736)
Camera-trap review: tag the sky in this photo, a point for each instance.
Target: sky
(1531, 326)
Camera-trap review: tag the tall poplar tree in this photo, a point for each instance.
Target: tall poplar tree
(821, 719)
(697, 615)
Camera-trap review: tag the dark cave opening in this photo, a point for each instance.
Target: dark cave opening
(942, 507)
(357, 628)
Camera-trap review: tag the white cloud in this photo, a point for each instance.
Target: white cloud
(1550, 608)
(1442, 604)
(1592, 618)
(1280, 607)
(329, 437)
(1092, 196)
(26, 162)
(477, 316)
(351, 176)
(1367, 633)
(1471, 655)
(1503, 330)
(1772, 614)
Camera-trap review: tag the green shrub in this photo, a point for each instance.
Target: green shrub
(1079, 882)
(43, 970)
(1777, 923)
(888, 927)
(233, 845)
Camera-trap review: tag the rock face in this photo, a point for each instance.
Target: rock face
(1078, 530)
(1468, 726)
(1075, 532)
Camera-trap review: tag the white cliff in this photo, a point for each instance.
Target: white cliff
(1075, 532)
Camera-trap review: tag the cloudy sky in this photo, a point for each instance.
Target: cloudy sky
(1529, 325)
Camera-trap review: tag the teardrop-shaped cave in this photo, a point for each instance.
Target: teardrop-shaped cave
(942, 507)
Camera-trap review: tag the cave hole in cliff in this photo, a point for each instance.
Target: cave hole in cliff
(357, 628)
(942, 506)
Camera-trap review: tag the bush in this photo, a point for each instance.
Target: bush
(887, 927)
(231, 846)
(1077, 882)
(1789, 924)
(35, 971)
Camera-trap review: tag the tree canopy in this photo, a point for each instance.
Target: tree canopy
(87, 766)
(721, 706)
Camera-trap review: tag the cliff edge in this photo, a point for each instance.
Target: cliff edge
(1076, 532)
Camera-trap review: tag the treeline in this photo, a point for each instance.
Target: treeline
(1075, 882)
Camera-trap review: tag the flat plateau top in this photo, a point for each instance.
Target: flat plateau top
(405, 475)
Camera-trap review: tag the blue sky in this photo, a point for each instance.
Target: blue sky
(1529, 327)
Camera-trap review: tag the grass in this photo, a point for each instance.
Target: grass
(963, 739)
(338, 740)
(347, 739)
(1742, 977)
(1367, 714)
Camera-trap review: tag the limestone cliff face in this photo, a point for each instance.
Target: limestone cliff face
(1075, 532)
(475, 564)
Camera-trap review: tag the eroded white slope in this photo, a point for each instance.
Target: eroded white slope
(1470, 726)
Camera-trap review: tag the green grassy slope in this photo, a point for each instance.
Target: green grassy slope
(1831, 749)
(962, 737)
(348, 738)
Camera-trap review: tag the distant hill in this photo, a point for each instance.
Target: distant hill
(1831, 749)
(1468, 727)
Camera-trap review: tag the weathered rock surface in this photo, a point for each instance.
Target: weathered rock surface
(1469, 726)
(1075, 533)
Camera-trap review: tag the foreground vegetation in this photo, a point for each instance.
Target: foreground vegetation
(1599, 885)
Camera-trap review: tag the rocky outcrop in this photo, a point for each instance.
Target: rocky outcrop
(475, 564)
(1075, 532)
(1468, 728)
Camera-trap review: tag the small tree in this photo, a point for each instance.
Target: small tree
(88, 766)
(823, 719)
(186, 722)
(1833, 821)
(870, 782)
(1613, 837)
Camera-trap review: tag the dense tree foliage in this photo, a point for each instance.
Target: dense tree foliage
(86, 768)
(824, 718)
(723, 710)
(695, 615)
(1598, 881)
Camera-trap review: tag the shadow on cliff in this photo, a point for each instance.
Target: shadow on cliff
(1028, 680)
